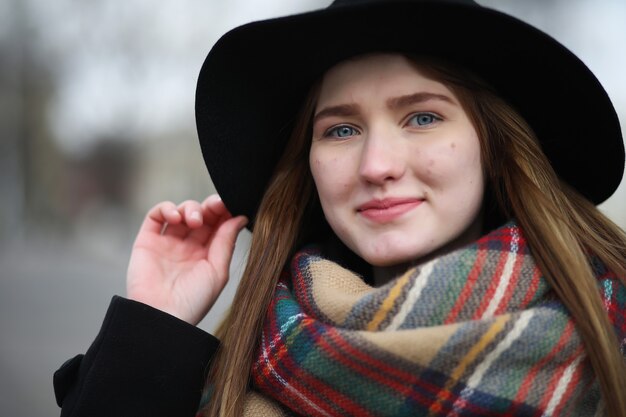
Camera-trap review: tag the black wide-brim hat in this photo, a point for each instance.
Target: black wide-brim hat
(255, 78)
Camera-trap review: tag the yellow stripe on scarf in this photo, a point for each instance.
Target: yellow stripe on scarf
(458, 372)
(389, 302)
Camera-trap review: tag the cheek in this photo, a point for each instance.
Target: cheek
(451, 165)
(467, 173)
(330, 176)
(434, 165)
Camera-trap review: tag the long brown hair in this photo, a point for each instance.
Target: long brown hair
(561, 226)
(277, 228)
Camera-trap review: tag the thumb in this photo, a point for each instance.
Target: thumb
(222, 246)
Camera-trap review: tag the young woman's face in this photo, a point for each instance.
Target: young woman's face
(396, 161)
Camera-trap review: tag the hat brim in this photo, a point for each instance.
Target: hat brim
(256, 76)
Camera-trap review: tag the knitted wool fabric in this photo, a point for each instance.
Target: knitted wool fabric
(477, 332)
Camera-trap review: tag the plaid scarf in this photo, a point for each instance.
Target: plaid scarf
(477, 332)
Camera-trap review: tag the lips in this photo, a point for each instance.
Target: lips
(387, 210)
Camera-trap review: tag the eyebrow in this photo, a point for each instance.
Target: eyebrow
(409, 99)
(339, 110)
(343, 110)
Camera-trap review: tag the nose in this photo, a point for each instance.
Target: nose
(383, 158)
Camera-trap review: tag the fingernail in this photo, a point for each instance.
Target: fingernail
(196, 215)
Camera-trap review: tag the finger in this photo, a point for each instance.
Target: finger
(180, 230)
(190, 218)
(160, 214)
(214, 217)
(192, 213)
(175, 225)
(204, 234)
(215, 214)
(214, 209)
(222, 245)
(212, 199)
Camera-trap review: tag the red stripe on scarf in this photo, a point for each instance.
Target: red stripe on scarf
(472, 278)
(493, 284)
(384, 374)
(312, 388)
(532, 288)
(527, 383)
(556, 377)
(512, 287)
(576, 377)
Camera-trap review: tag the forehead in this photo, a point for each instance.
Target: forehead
(378, 75)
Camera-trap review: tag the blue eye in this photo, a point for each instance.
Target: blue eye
(423, 119)
(341, 132)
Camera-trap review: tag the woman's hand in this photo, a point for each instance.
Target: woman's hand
(181, 257)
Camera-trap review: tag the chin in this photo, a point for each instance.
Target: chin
(388, 260)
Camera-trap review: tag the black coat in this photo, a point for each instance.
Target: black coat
(143, 362)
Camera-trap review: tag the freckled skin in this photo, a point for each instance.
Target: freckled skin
(389, 156)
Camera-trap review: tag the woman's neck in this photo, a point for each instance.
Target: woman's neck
(384, 274)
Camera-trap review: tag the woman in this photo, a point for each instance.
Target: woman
(438, 172)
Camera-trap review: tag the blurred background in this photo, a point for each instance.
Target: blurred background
(97, 125)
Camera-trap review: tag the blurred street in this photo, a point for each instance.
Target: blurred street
(53, 297)
(53, 294)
